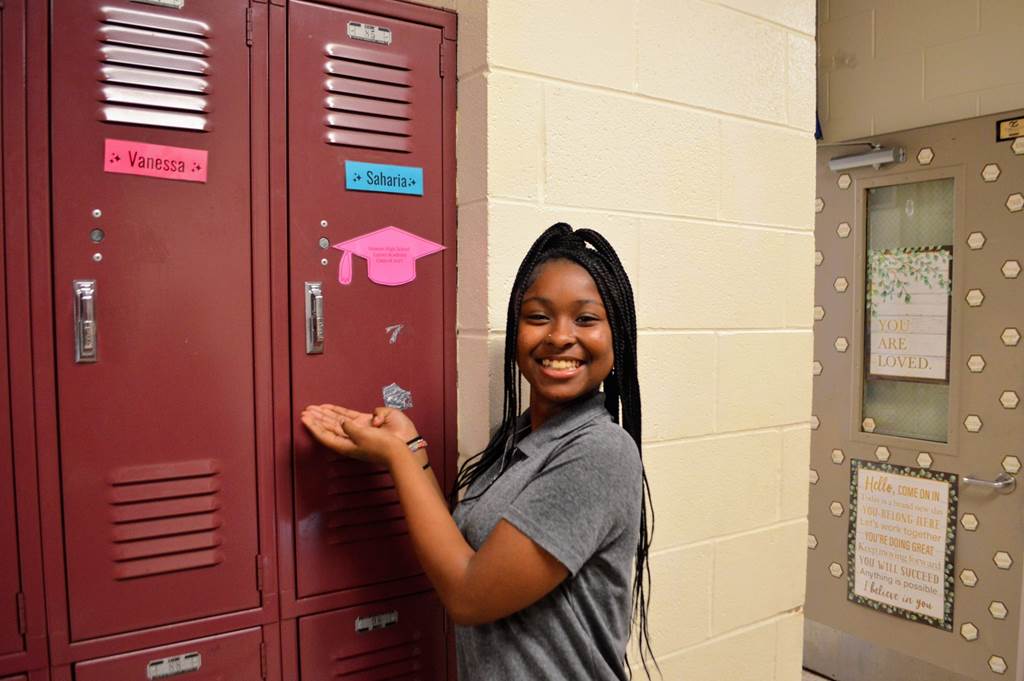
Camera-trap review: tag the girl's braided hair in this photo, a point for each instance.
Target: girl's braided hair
(592, 252)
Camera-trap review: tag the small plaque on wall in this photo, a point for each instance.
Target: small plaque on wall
(1009, 128)
(908, 313)
(901, 541)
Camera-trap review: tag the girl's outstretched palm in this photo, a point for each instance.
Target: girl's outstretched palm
(367, 437)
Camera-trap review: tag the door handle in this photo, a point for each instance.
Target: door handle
(314, 318)
(1004, 482)
(85, 320)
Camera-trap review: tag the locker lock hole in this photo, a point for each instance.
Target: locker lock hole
(324, 242)
(97, 235)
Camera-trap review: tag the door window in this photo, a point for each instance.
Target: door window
(908, 280)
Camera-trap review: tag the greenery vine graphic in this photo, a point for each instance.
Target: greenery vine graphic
(891, 270)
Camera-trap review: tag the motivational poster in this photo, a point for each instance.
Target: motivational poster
(908, 313)
(902, 537)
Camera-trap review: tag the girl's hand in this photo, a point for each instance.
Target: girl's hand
(354, 434)
(395, 422)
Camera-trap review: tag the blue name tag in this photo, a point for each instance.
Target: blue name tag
(378, 177)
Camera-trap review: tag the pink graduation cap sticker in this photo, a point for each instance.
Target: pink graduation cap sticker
(391, 254)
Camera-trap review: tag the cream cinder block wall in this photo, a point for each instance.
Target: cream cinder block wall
(885, 65)
(682, 130)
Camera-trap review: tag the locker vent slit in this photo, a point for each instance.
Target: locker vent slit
(153, 70)
(400, 660)
(164, 518)
(370, 99)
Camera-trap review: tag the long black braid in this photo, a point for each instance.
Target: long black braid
(591, 251)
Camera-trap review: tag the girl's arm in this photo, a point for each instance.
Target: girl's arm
(507, 574)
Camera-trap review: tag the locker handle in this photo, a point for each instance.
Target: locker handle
(85, 320)
(314, 318)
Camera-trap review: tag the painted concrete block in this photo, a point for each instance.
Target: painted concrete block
(980, 62)
(701, 276)
(558, 39)
(911, 25)
(789, 650)
(677, 377)
(472, 300)
(763, 379)
(515, 133)
(471, 140)
(611, 151)
(796, 448)
(796, 14)
(800, 82)
(680, 613)
(745, 564)
(727, 61)
(693, 484)
(747, 655)
(767, 175)
(477, 415)
(798, 251)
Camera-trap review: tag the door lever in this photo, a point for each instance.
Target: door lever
(1004, 482)
(314, 318)
(85, 320)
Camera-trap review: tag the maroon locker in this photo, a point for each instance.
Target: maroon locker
(22, 625)
(396, 639)
(245, 655)
(153, 286)
(352, 99)
(10, 578)
(36, 675)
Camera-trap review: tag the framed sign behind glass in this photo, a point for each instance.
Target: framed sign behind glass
(908, 277)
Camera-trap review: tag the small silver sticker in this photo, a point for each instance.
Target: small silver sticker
(397, 397)
(393, 332)
(369, 33)
(172, 666)
(173, 4)
(373, 622)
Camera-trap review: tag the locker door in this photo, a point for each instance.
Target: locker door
(351, 99)
(235, 655)
(157, 429)
(10, 581)
(399, 639)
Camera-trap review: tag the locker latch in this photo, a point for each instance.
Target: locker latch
(85, 320)
(314, 318)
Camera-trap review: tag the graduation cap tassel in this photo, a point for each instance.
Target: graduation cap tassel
(345, 269)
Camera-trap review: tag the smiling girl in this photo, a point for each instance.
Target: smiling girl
(543, 565)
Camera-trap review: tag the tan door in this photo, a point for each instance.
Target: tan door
(916, 535)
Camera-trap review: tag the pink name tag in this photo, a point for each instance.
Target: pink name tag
(155, 160)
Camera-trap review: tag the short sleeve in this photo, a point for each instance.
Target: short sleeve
(588, 493)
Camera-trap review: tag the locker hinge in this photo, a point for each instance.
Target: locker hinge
(263, 659)
(441, 50)
(259, 572)
(248, 26)
(22, 619)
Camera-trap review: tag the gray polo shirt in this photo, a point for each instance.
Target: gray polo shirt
(574, 489)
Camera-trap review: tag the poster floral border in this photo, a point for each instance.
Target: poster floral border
(929, 265)
(949, 586)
